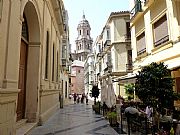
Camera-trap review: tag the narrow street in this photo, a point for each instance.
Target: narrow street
(75, 119)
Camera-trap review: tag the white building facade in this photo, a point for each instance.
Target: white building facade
(155, 32)
(113, 55)
(89, 73)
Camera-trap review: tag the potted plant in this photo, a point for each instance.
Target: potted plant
(112, 117)
(96, 107)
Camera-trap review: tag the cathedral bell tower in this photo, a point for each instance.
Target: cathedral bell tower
(84, 40)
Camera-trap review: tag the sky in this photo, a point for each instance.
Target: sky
(96, 12)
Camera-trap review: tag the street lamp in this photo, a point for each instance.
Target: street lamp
(134, 94)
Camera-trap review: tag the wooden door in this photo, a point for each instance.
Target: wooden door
(22, 81)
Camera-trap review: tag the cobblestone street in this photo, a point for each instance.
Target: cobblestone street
(75, 119)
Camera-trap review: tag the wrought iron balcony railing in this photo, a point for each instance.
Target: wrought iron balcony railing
(107, 43)
(161, 41)
(141, 51)
(137, 8)
(63, 62)
(127, 37)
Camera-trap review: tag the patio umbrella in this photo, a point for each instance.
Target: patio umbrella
(104, 91)
(111, 99)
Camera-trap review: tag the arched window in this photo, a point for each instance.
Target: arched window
(57, 67)
(47, 55)
(87, 32)
(53, 64)
(80, 32)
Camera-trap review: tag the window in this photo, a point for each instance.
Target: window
(87, 32)
(141, 46)
(24, 31)
(128, 32)
(177, 80)
(80, 32)
(57, 67)
(63, 51)
(53, 65)
(47, 55)
(129, 56)
(108, 34)
(79, 71)
(160, 31)
(1, 6)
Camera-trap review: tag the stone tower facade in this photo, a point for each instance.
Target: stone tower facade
(84, 40)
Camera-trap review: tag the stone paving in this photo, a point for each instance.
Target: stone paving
(75, 119)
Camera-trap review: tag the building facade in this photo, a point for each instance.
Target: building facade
(65, 61)
(155, 32)
(30, 38)
(77, 77)
(89, 73)
(113, 52)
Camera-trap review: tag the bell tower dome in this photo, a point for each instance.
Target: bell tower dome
(84, 40)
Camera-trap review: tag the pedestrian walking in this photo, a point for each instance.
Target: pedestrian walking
(82, 98)
(78, 98)
(75, 96)
(87, 99)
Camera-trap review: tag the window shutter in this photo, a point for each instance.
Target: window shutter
(141, 46)
(160, 31)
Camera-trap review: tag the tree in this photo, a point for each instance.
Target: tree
(154, 85)
(129, 90)
(95, 92)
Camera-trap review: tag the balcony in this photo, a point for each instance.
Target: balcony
(107, 43)
(63, 62)
(99, 54)
(136, 12)
(129, 67)
(127, 37)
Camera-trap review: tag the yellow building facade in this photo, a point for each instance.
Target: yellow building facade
(30, 40)
(155, 35)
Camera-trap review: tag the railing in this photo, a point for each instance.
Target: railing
(127, 37)
(137, 8)
(107, 43)
(141, 51)
(138, 123)
(63, 62)
(161, 41)
(99, 54)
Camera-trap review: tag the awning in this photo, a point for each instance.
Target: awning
(129, 78)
